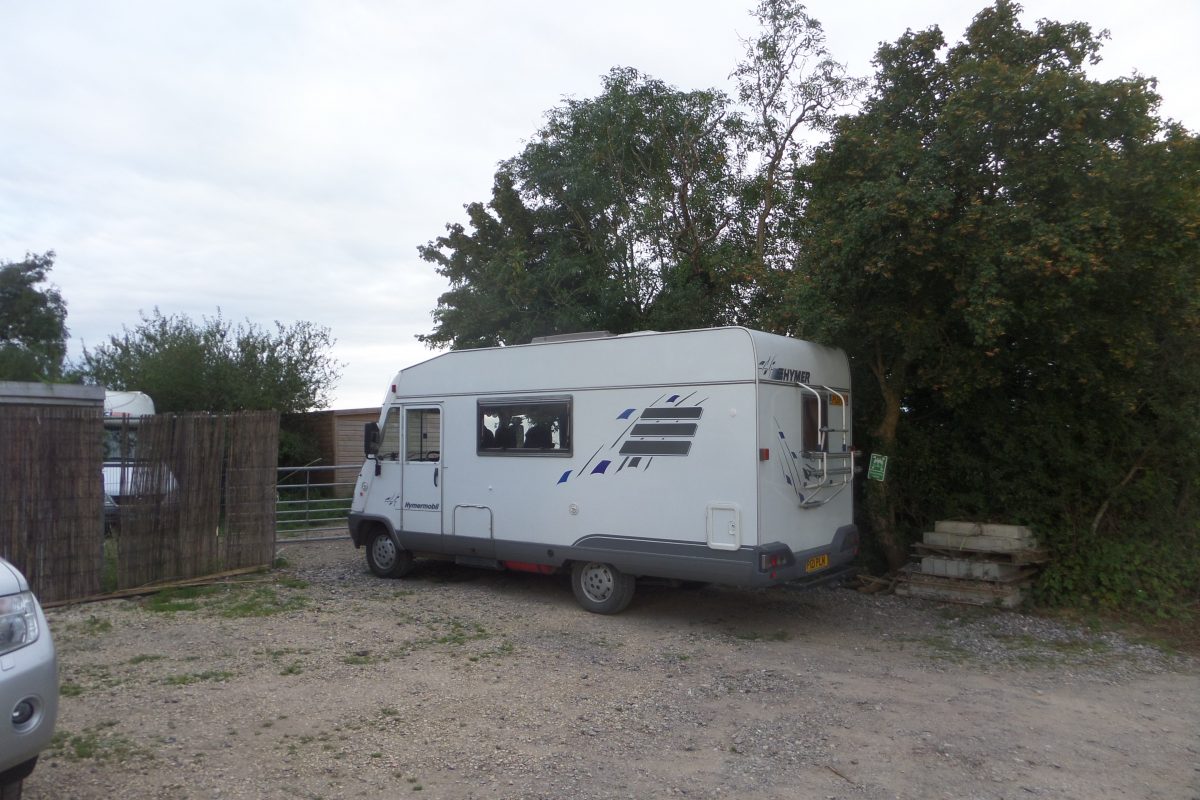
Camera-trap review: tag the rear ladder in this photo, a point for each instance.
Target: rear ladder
(825, 474)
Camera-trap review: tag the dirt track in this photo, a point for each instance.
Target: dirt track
(458, 683)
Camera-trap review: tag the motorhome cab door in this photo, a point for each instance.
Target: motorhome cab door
(422, 477)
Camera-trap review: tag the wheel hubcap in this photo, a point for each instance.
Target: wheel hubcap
(597, 582)
(383, 549)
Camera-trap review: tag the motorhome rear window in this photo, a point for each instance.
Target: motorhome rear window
(524, 427)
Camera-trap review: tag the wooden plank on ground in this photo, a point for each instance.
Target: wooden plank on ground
(948, 592)
(1002, 594)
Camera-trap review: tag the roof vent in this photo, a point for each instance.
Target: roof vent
(571, 337)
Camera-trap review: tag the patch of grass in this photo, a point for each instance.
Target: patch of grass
(231, 600)
(95, 744)
(261, 601)
(755, 636)
(145, 658)
(361, 658)
(460, 633)
(293, 668)
(1031, 650)
(1081, 646)
(506, 648)
(87, 677)
(182, 598)
(108, 568)
(292, 583)
(197, 677)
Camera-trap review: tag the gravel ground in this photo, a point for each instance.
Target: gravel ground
(319, 680)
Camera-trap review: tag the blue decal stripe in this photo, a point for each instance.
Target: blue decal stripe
(589, 461)
(625, 414)
(599, 468)
(564, 477)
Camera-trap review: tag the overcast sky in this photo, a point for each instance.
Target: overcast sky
(283, 160)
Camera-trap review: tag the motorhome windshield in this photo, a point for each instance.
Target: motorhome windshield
(120, 442)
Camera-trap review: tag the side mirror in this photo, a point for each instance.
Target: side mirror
(371, 438)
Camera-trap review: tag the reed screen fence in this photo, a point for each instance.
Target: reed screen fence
(51, 497)
(197, 497)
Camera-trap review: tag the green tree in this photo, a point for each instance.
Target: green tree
(1008, 249)
(33, 333)
(647, 206)
(789, 84)
(216, 366)
(619, 214)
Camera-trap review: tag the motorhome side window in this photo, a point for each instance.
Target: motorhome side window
(524, 427)
(423, 432)
(389, 440)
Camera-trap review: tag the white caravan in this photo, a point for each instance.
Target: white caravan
(721, 455)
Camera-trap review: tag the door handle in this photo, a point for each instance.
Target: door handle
(435, 475)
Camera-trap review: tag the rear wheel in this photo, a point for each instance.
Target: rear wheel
(385, 558)
(11, 791)
(601, 588)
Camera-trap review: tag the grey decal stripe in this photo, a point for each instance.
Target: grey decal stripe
(665, 429)
(690, 412)
(656, 448)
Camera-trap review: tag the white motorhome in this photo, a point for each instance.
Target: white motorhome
(721, 455)
(123, 412)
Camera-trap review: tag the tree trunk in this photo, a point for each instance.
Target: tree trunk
(881, 499)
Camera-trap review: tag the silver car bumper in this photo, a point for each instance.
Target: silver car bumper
(28, 702)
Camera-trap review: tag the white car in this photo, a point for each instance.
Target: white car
(28, 681)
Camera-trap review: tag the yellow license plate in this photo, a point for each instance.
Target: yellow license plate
(817, 562)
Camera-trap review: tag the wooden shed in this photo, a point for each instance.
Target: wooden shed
(339, 435)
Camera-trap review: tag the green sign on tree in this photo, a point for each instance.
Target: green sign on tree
(878, 467)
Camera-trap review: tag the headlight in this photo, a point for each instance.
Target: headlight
(18, 621)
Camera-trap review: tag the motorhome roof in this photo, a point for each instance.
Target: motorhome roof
(127, 404)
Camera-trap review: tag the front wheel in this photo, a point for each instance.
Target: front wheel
(11, 791)
(601, 588)
(385, 558)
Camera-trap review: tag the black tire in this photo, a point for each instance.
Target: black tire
(11, 791)
(385, 558)
(601, 588)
